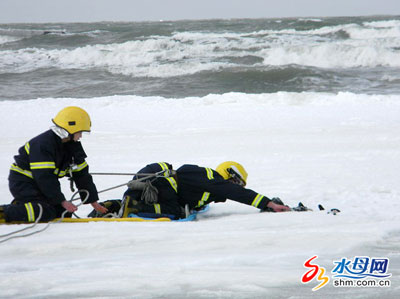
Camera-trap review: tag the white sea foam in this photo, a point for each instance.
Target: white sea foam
(310, 20)
(7, 39)
(383, 24)
(185, 53)
(340, 55)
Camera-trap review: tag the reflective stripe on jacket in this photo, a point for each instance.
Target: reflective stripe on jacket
(45, 159)
(198, 186)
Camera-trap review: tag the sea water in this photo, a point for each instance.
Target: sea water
(196, 58)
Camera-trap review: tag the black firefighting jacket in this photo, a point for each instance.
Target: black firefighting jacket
(166, 185)
(45, 159)
(198, 186)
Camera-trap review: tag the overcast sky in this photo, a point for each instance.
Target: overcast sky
(25, 11)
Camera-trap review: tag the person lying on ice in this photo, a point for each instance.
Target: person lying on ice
(33, 178)
(192, 186)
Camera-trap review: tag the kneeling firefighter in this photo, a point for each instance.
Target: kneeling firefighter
(34, 176)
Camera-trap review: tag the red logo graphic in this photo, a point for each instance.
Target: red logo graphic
(311, 274)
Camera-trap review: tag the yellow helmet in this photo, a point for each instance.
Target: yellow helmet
(73, 119)
(234, 171)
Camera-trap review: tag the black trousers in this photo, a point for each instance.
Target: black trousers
(27, 202)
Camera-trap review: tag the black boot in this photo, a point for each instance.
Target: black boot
(131, 206)
(112, 206)
(2, 216)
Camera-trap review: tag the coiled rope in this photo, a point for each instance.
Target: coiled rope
(13, 235)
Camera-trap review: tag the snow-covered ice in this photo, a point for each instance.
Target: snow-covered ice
(339, 150)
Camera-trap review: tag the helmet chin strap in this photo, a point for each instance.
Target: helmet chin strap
(235, 176)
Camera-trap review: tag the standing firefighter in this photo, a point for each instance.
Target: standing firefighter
(33, 179)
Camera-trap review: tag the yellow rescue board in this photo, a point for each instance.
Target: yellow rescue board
(85, 220)
(80, 220)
